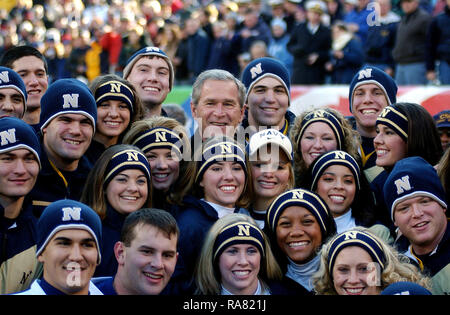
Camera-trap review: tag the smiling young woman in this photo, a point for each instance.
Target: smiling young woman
(118, 184)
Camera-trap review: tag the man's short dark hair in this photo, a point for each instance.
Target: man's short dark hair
(158, 218)
(18, 52)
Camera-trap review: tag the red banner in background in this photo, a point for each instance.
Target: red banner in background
(433, 98)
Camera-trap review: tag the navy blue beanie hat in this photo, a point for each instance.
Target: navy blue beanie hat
(412, 177)
(159, 138)
(238, 233)
(335, 157)
(321, 115)
(124, 160)
(394, 117)
(16, 134)
(67, 96)
(220, 150)
(64, 215)
(149, 51)
(301, 198)
(265, 67)
(405, 288)
(357, 238)
(11, 79)
(115, 90)
(370, 74)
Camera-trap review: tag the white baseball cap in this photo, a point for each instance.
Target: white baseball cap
(270, 136)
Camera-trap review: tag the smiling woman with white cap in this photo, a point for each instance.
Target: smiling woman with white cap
(270, 154)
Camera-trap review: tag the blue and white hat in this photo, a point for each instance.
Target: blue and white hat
(149, 51)
(67, 96)
(266, 67)
(11, 79)
(405, 288)
(335, 157)
(16, 134)
(124, 160)
(305, 199)
(270, 136)
(374, 75)
(412, 177)
(68, 214)
(394, 117)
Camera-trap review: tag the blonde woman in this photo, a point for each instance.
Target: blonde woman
(318, 131)
(235, 241)
(357, 262)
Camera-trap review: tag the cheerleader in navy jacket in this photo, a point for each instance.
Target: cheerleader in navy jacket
(119, 183)
(221, 187)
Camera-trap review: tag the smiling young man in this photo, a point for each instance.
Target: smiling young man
(19, 169)
(146, 254)
(13, 95)
(268, 97)
(32, 67)
(67, 125)
(68, 238)
(417, 202)
(151, 72)
(371, 90)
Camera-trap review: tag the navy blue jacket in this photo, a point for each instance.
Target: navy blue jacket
(52, 185)
(111, 228)
(379, 44)
(438, 39)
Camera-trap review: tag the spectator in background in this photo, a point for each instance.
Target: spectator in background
(278, 45)
(335, 10)
(258, 49)
(346, 55)
(132, 43)
(198, 47)
(410, 44)
(295, 14)
(438, 47)
(176, 112)
(222, 56)
(356, 19)
(180, 59)
(381, 38)
(77, 58)
(442, 120)
(310, 44)
(253, 29)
